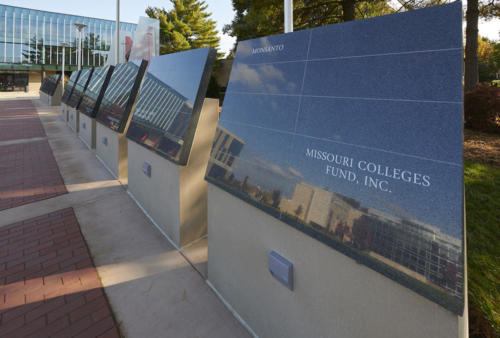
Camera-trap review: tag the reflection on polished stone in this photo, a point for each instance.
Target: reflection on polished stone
(170, 100)
(80, 87)
(120, 94)
(357, 142)
(49, 84)
(90, 88)
(68, 88)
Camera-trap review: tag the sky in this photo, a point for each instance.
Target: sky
(130, 10)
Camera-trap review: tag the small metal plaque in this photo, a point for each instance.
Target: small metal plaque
(105, 140)
(281, 269)
(146, 169)
(84, 125)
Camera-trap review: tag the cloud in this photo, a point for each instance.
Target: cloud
(295, 173)
(288, 173)
(261, 78)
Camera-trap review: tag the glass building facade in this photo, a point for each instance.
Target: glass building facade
(31, 39)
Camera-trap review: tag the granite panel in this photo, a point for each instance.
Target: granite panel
(120, 94)
(352, 134)
(49, 84)
(68, 87)
(79, 88)
(94, 91)
(170, 101)
(411, 31)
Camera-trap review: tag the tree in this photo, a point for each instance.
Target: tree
(265, 17)
(186, 26)
(276, 197)
(489, 59)
(35, 53)
(244, 185)
(471, 71)
(487, 9)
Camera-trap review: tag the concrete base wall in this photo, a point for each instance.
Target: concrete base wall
(87, 130)
(54, 100)
(64, 112)
(114, 154)
(333, 295)
(73, 119)
(44, 99)
(176, 196)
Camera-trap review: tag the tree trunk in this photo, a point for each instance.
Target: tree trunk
(471, 35)
(348, 10)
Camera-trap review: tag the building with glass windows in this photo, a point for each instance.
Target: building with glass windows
(30, 42)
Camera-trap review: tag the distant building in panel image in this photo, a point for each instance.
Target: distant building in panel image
(156, 96)
(30, 43)
(418, 249)
(225, 149)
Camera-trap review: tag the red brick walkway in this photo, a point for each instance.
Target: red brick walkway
(28, 173)
(17, 108)
(19, 120)
(48, 284)
(19, 128)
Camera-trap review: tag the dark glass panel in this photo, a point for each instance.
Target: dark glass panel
(170, 101)
(121, 94)
(92, 90)
(68, 87)
(50, 83)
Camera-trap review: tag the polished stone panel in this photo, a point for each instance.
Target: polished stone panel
(49, 84)
(169, 104)
(93, 90)
(120, 94)
(68, 87)
(79, 88)
(352, 133)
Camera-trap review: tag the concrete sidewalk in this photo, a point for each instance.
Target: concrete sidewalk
(152, 289)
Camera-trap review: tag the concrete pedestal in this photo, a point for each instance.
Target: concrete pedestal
(64, 112)
(333, 296)
(86, 130)
(174, 196)
(44, 98)
(111, 150)
(73, 119)
(54, 100)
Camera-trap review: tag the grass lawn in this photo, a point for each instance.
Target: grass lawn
(482, 193)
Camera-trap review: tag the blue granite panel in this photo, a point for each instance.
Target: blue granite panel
(336, 119)
(276, 78)
(270, 111)
(418, 76)
(271, 49)
(409, 32)
(352, 134)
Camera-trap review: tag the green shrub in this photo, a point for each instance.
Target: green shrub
(482, 108)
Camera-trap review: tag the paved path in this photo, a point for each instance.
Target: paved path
(48, 284)
(152, 289)
(28, 173)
